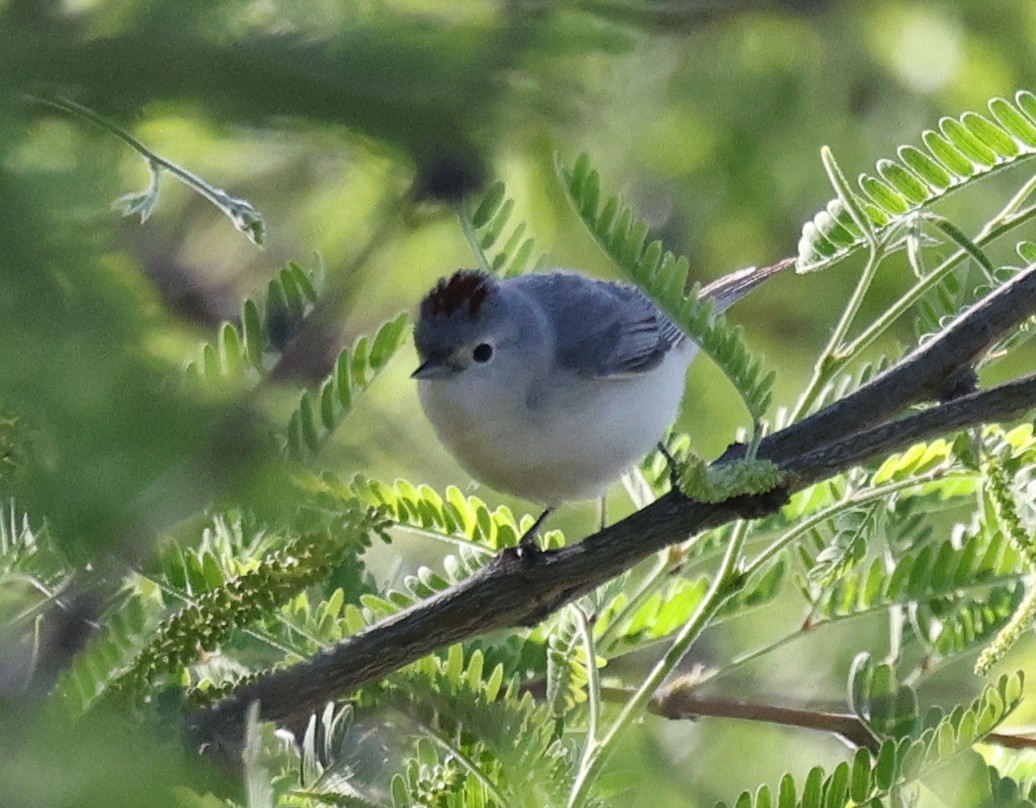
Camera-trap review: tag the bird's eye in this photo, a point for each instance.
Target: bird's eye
(482, 353)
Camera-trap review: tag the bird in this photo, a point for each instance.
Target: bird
(548, 386)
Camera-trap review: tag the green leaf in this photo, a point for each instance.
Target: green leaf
(490, 204)
(950, 156)
(925, 167)
(990, 133)
(836, 789)
(904, 181)
(812, 791)
(886, 766)
(656, 617)
(1016, 122)
(265, 324)
(970, 146)
(918, 459)
(500, 245)
(353, 373)
(567, 674)
(662, 276)
(884, 195)
(510, 740)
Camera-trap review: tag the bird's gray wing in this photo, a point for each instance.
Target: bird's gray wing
(603, 329)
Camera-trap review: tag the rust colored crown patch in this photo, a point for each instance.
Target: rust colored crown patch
(465, 286)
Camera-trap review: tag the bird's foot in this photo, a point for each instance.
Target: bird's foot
(674, 467)
(528, 545)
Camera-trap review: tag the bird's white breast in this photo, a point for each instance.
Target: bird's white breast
(568, 438)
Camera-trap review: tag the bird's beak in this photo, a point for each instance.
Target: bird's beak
(432, 369)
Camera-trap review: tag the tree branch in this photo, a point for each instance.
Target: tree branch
(679, 701)
(517, 590)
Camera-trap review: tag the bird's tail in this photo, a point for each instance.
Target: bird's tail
(730, 288)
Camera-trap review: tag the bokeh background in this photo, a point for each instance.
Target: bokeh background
(707, 116)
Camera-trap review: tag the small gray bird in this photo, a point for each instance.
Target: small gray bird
(549, 386)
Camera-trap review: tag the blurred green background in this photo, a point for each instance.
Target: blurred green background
(707, 116)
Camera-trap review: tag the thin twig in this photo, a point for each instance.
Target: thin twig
(680, 702)
(241, 212)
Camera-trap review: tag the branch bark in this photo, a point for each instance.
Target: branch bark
(680, 702)
(517, 590)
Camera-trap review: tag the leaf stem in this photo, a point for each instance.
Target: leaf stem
(648, 585)
(912, 295)
(1009, 211)
(241, 212)
(806, 630)
(468, 228)
(835, 355)
(457, 753)
(725, 583)
(593, 682)
(862, 497)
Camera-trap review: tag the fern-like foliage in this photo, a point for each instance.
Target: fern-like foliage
(870, 554)
(998, 492)
(247, 351)
(624, 625)
(311, 623)
(1006, 792)
(964, 148)
(503, 247)
(886, 706)
(212, 617)
(898, 761)
(848, 546)
(267, 324)
(231, 548)
(303, 625)
(28, 555)
(960, 590)
(324, 734)
(890, 708)
(567, 663)
(453, 517)
(33, 572)
(127, 628)
(1012, 778)
(317, 415)
(918, 459)
(332, 749)
(423, 584)
(951, 297)
(488, 736)
(843, 384)
(663, 277)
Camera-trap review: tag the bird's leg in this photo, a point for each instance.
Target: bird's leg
(602, 512)
(674, 467)
(527, 543)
